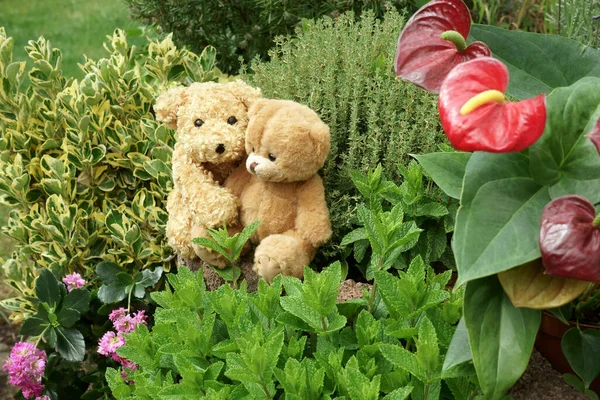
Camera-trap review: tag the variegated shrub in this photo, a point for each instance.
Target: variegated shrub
(84, 164)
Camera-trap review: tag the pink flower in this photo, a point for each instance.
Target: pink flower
(125, 323)
(73, 281)
(25, 367)
(117, 314)
(45, 397)
(109, 343)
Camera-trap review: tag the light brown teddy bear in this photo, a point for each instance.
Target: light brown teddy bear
(210, 121)
(287, 144)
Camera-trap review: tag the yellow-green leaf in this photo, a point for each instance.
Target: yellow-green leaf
(528, 286)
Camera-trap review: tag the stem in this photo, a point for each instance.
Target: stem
(324, 323)
(129, 299)
(596, 222)
(372, 297)
(456, 38)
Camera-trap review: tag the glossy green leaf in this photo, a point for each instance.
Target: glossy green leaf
(564, 158)
(447, 170)
(70, 344)
(33, 326)
(538, 63)
(67, 317)
(47, 288)
(107, 271)
(497, 224)
(459, 352)
(582, 350)
(77, 299)
(501, 336)
(149, 278)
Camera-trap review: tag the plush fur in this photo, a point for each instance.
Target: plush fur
(287, 143)
(209, 146)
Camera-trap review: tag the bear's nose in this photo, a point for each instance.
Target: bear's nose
(253, 166)
(220, 148)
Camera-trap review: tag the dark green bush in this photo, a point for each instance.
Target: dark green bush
(343, 70)
(243, 28)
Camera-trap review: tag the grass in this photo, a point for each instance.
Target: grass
(74, 27)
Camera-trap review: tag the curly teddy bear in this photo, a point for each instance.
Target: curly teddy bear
(287, 144)
(210, 121)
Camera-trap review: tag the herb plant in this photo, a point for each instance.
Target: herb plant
(301, 344)
(342, 69)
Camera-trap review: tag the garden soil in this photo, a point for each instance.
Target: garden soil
(540, 381)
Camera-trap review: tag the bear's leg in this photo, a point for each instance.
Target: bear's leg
(179, 225)
(285, 253)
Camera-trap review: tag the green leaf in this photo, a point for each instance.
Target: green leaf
(354, 236)
(33, 326)
(563, 157)
(107, 271)
(77, 299)
(149, 278)
(582, 350)
(501, 336)
(67, 317)
(459, 351)
(112, 293)
(446, 169)
(538, 63)
(403, 359)
(46, 288)
(501, 207)
(399, 394)
(70, 344)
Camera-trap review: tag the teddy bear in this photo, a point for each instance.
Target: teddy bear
(287, 144)
(210, 120)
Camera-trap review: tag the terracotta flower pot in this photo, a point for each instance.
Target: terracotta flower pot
(548, 340)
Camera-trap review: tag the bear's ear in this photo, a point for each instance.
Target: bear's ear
(319, 134)
(244, 92)
(168, 104)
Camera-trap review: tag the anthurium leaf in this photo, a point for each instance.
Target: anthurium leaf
(498, 222)
(501, 336)
(459, 352)
(564, 158)
(528, 286)
(46, 288)
(447, 170)
(582, 350)
(538, 63)
(70, 344)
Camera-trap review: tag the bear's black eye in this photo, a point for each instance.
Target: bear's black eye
(253, 150)
(231, 120)
(272, 157)
(198, 123)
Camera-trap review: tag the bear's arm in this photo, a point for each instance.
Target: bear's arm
(312, 219)
(212, 204)
(238, 180)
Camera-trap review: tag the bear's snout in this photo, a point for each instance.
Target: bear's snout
(220, 148)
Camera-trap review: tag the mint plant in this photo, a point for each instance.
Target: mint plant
(230, 247)
(298, 344)
(392, 220)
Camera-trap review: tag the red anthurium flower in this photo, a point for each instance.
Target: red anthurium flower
(570, 239)
(594, 136)
(433, 42)
(476, 116)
